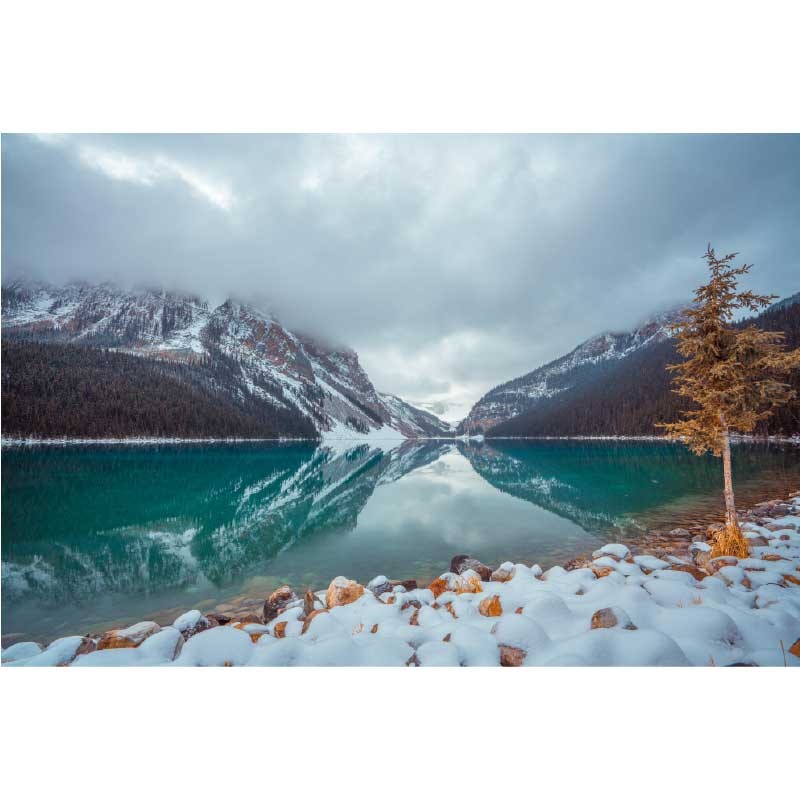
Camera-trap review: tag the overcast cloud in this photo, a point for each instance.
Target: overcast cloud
(449, 263)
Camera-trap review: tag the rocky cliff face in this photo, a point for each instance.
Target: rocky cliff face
(325, 384)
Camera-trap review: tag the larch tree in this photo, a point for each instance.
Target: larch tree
(732, 374)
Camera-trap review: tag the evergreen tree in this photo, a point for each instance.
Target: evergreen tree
(732, 375)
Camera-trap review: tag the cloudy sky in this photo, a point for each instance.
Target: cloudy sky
(449, 263)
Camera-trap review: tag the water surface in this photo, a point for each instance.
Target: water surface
(100, 535)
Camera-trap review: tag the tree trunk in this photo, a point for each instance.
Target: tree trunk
(730, 506)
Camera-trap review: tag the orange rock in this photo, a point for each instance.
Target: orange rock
(374, 628)
(451, 610)
(312, 616)
(467, 583)
(693, 571)
(491, 606)
(607, 618)
(128, 637)
(795, 649)
(601, 572)
(604, 618)
(511, 656)
(414, 618)
(254, 637)
(342, 591)
(792, 579)
(504, 573)
(279, 631)
(772, 557)
(519, 610)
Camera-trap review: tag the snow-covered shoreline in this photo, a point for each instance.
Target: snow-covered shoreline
(614, 608)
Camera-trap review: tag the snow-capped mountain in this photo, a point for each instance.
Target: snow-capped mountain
(521, 394)
(324, 384)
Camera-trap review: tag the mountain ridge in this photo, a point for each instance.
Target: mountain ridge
(290, 372)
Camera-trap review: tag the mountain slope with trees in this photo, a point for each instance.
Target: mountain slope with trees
(631, 395)
(55, 390)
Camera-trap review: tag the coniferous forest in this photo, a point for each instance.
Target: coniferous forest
(55, 390)
(630, 396)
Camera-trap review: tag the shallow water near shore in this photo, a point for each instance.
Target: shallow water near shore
(98, 536)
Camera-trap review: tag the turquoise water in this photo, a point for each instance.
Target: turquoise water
(100, 535)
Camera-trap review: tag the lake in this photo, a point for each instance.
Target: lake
(98, 536)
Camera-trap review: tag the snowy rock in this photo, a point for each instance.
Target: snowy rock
(689, 569)
(520, 632)
(650, 563)
(193, 622)
(511, 656)
(63, 651)
(310, 618)
(21, 650)
(342, 591)
(461, 563)
(617, 551)
(612, 618)
(379, 585)
(468, 582)
(277, 602)
(128, 637)
(222, 646)
(505, 572)
(165, 645)
(438, 654)
(490, 606)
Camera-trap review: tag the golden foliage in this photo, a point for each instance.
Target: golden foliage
(730, 542)
(733, 375)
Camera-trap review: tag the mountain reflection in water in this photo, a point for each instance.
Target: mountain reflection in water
(103, 533)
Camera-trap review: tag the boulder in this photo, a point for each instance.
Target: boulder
(612, 618)
(511, 656)
(757, 541)
(409, 585)
(342, 591)
(691, 569)
(468, 582)
(615, 550)
(461, 563)
(309, 603)
(505, 572)
(715, 564)
(277, 602)
(601, 572)
(379, 585)
(128, 637)
(192, 623)
(310, 618)
(581, 562)
(490, 606)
